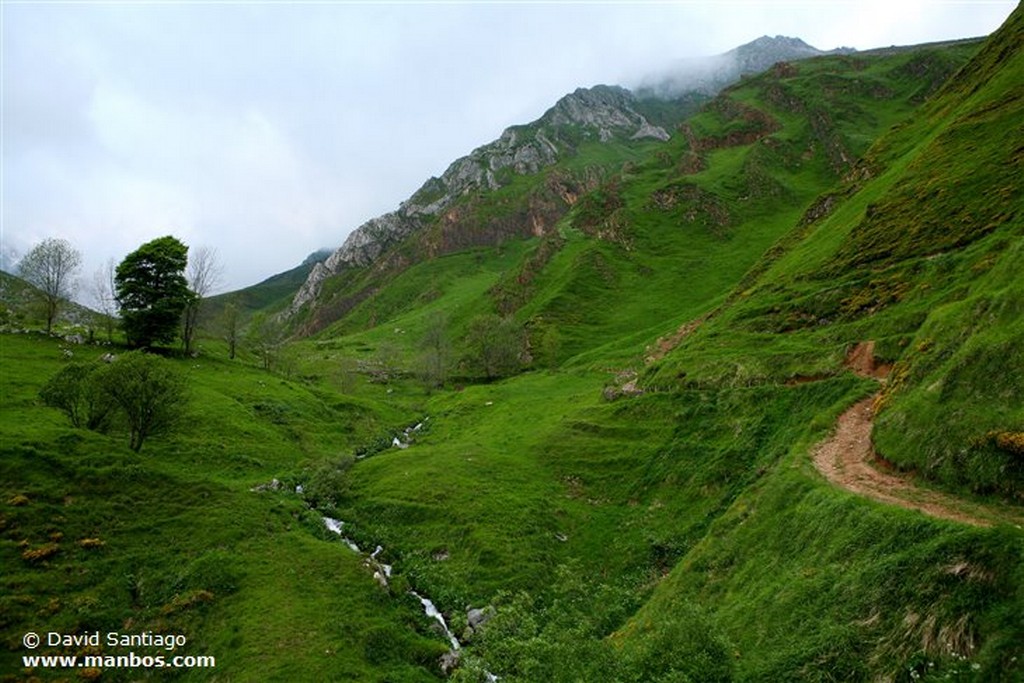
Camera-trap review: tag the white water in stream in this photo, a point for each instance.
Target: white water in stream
(431, 611)
(337, 526)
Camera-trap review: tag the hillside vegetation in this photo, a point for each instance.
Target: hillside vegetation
(636, 497)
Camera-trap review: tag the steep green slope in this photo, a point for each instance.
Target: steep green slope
(696, 217)
(918, 250)
(94, 537)
(271, 294)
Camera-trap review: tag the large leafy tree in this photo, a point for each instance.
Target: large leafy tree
(152, 291)
(51, 267)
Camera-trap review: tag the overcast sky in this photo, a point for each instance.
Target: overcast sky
(269, 130)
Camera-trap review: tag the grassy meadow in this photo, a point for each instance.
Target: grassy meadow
(637, 500)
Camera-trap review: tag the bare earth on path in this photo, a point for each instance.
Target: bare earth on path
(846, 459)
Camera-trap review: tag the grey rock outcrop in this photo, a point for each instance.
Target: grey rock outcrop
(476, 619)
(601, 113)
(362, 247)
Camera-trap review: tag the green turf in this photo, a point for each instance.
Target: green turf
(633, 516)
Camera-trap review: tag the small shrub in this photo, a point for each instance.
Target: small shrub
(75, 392)
(328, 482)
(496, 346)
(149, 393)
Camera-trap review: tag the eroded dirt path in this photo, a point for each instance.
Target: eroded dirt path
(847, 459)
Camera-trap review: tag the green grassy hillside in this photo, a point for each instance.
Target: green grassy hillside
(668, 228)
(922, 256)
(636, 498)
(270, 295)
(172, 540)
(22, 307)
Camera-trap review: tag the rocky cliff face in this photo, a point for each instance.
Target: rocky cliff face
(601, 113)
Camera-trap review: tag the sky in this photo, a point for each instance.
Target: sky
(266, 131)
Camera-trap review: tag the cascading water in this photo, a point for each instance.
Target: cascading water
(337, 526)
(431, 611)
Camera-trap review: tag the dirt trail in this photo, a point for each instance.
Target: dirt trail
(847, 459)
(665, 344)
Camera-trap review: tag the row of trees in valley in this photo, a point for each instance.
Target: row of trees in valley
(157, 290)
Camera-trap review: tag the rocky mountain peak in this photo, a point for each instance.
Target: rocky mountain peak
(602, 113)
(711, 74)
(777, 42)
(761, 53)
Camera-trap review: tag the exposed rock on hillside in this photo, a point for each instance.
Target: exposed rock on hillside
(598, 114)
(601, 113)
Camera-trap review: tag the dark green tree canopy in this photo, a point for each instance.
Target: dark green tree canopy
(152, 291)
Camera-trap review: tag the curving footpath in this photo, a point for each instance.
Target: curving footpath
(847, 460)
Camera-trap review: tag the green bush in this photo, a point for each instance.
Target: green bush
(327, 482)
(75, 392)
(150, 394)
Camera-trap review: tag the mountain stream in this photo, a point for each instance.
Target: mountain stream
(382, 572)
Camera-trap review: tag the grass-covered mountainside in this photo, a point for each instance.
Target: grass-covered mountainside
(22, 307)
(607, 431)
(270, 295)
(523, 183)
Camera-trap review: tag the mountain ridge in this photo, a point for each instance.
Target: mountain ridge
(604, 112)
(708, 75)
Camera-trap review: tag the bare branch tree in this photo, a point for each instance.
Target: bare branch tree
(51, 267)
(230, 326)
(101, 289)
(203, 274)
